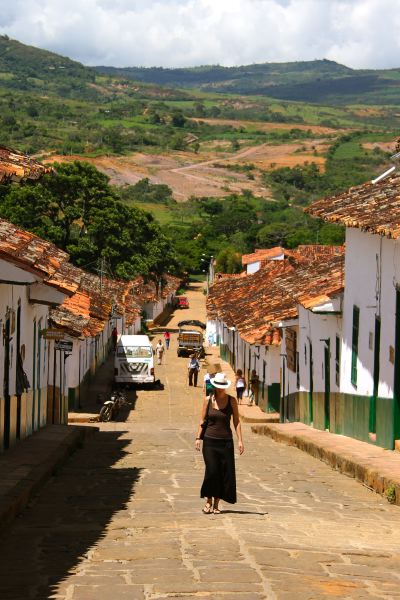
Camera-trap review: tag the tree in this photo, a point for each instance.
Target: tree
(178, 119)
(32, 207)
(77, 209)
(229, 261)
(74, 188)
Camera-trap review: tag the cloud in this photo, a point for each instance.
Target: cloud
(358, 33)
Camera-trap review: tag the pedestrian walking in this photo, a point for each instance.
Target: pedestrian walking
(159, 351)
(167, 339)
(208, 387)
(193, 369)
(240, 384)
(254, 382)
(218, 450)
(114, 337)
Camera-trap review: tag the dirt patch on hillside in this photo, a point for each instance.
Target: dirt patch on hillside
(384, 146)
(189, 174)
(262, 126)
(368, 112)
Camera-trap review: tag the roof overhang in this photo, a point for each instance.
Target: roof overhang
(286, 323)
(332, 306)
(40, 293)
(13, 274)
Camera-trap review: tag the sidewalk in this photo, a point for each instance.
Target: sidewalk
(26, 467)
(375, 467)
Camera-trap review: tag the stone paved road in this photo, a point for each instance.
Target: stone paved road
(122, 520)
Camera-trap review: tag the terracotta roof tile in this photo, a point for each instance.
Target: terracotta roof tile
(28, 251)
(370, 207)
(262, 254)
(255, 303)
(171, 284)
(15, 166)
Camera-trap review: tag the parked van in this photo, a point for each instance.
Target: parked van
(134, 361)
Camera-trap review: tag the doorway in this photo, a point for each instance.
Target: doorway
(327, 377)
(6, 385)
(311, 386)
(19, 360)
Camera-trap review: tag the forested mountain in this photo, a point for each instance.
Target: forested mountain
(322, 81)
(27, 68)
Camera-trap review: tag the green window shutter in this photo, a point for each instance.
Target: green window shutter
(354, 344)
(337, 361)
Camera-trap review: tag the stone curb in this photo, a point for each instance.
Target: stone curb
(376, 473)
(259, 417)
(39, 465)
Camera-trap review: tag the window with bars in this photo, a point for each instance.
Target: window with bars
(354, 344)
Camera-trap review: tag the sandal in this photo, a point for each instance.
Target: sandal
(216, 511)
(207, 509)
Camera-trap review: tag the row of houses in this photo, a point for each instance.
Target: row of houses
(321, 325)
(56, 321)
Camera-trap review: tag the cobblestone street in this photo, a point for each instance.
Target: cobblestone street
(122, 519)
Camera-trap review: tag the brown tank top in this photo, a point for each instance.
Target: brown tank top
(219, 422)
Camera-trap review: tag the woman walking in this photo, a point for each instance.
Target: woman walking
(240, 384)
(218, 451)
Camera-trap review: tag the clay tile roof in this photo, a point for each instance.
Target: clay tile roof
(67, 279)
(90, 308)
(29, 252)
(370, 207)
(262, 254)
(15, 166)
(255, 303)
(171, 284)
(145, 291)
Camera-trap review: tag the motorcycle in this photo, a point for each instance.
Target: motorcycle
(111, 407)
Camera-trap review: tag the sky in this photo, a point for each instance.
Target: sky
(181, 33)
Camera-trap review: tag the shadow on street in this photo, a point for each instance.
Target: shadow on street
(67, 519)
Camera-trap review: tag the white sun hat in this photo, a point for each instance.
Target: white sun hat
(220, 381)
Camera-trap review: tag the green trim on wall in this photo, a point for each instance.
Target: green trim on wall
(350, 416)
(274, 394)
(385, 433)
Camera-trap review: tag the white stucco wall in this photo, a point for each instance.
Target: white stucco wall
(34, 350)
(314, 328)
(290, 376)
(372, 271)
(253, 267)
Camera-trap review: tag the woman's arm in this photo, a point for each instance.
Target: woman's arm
(236, 423)
(203, 416)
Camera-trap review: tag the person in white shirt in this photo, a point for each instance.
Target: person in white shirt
(159, 351)
(193, 369)
(240, 385)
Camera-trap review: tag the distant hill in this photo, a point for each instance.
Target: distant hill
(320, 81)
(27, 68)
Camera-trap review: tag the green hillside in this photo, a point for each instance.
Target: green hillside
(27, 68)
(320, 81)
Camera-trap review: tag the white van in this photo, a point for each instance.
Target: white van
(134, 361)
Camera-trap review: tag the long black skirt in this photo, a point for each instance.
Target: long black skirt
(219, 478)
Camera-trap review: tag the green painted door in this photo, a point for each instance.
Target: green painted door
(396, 403)
(282, 401)
(327, 377)
(18, 351)
(377, 343)
(34, 378)
(311, 386)
(6, 386)
(38, 376)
